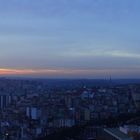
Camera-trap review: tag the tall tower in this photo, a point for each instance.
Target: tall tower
(110, 82)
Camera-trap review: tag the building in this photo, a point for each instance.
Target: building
(136, 98)
(5, 100)
(33, 113)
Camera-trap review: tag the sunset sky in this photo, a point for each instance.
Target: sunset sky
(70, 38)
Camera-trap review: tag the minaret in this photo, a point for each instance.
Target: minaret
(110, 82)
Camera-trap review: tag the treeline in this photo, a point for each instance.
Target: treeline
(74, 133)
(65, 134)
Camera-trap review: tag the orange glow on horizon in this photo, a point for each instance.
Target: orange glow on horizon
(4, 71)
(14, 71)
(86, 73)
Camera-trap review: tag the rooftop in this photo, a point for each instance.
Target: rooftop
(117, 134)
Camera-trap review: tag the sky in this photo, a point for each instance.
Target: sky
(70, 38)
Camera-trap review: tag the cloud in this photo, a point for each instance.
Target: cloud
(106, 53)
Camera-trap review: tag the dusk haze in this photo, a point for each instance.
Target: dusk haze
(69, 69)
(70, 38)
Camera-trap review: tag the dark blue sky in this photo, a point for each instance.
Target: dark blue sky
(70, 38)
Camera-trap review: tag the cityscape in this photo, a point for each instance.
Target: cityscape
(69, 70)
(39, 109)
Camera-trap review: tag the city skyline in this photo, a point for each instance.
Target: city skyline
(70, 38)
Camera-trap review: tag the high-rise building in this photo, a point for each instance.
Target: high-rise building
(33, 113)
(5, 100)
(136, 98)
